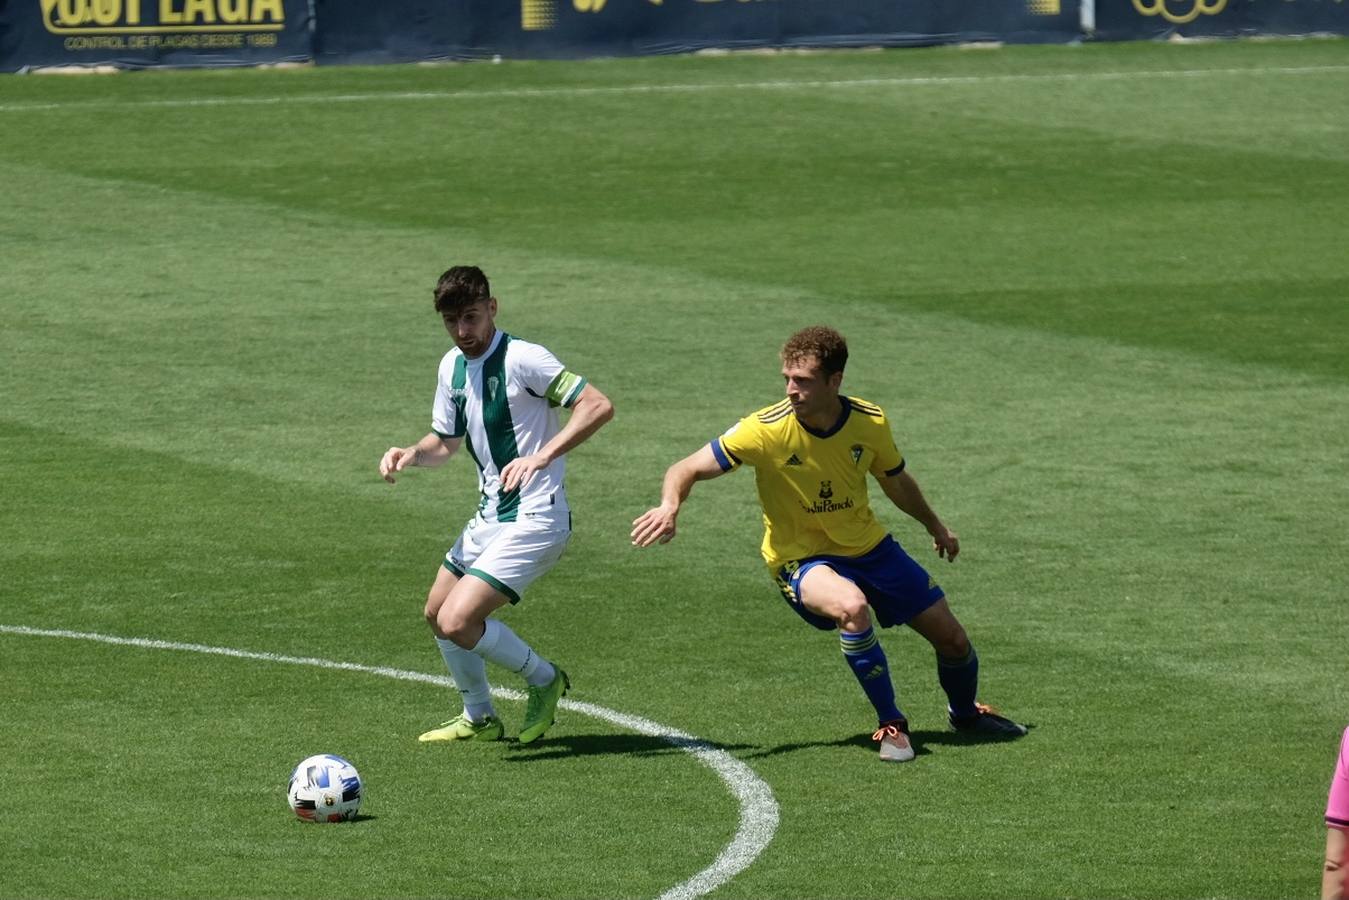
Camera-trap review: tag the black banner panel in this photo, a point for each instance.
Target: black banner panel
(144, 33)
(405, 30)
(358, 31)
(917, 22)
(1134, 19)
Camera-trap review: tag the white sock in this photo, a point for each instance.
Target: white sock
(470, 676)
(504, 647)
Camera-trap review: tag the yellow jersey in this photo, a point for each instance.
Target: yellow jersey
(812, 484)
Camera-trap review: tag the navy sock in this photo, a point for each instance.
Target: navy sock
(865, 657)
(960, 680)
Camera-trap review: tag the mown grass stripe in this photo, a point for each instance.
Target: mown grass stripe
(681, 88)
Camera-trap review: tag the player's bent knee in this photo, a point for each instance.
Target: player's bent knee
(453, 624)
(954, 644)
(459, 633)
(436, 628)
(854, 615)
(435, 600)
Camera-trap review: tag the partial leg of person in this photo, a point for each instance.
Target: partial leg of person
(546, 683)
(478, 721)
(958, 673)
(496, 562)
(826, 593)
(464, 619)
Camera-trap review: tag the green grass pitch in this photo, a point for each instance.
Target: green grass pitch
(1101, 291)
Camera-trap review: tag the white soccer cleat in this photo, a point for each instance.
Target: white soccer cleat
(894, 739)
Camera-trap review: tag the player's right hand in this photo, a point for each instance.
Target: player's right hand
(395, 459)
(656, 524)
(946, 543)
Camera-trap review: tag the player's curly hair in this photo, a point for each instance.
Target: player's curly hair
(461, 286)
(821, 342)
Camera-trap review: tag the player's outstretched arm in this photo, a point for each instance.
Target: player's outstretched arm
(658, 523)
(904, 492)
(431, 450)
(588, 414)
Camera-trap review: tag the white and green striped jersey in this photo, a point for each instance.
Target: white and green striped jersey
(504, 404)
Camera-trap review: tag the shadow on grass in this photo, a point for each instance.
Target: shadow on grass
(609, 745)
(359, 817)
(645, 745)
(922, 740)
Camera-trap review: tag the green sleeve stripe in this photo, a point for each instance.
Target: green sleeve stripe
(564, 389)
(575, 394)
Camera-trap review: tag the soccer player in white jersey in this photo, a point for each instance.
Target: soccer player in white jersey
(498, 396)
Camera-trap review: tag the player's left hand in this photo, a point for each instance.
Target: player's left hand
(520, 471)
(946, 543)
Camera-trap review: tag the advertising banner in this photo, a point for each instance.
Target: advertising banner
(916, 22)
(358, 31)
(402, 30)
(1133, 19)
(143, 33)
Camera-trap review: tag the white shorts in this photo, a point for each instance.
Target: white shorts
(510, 555)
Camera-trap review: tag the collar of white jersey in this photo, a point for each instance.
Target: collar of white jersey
(475, 361)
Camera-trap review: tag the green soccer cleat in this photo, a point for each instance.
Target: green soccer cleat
(542, 707)
(462, 728)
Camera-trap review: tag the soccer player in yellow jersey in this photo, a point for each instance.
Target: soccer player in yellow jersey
(833, 562)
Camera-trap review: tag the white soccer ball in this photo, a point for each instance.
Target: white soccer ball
(325, 788)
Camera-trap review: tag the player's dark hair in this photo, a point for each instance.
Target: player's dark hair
(821, 342)
(459, 287)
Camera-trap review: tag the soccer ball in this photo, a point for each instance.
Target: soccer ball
(325, 788)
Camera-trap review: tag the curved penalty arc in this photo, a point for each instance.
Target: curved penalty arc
(758, 806)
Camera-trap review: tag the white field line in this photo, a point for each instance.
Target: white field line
(758, 807)
(687, 88)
